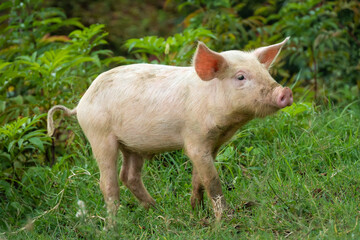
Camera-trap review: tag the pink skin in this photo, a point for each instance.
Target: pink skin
(283, 96)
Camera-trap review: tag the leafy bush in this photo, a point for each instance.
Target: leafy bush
(38, 70)
(224, 18)
(22, 144)
(175, 50)
(324, 43)
(125, 19)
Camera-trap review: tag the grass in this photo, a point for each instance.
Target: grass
(295, 175)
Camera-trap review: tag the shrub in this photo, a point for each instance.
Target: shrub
(175, 50)
(37, 69)
(22, 144)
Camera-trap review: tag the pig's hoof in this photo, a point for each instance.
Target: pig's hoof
(149, 204)
(110, 223)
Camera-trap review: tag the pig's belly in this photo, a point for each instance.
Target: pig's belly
(151, 136)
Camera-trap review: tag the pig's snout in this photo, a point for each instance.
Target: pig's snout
(284, 97)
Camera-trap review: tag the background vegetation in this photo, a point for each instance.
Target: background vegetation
(293, 175)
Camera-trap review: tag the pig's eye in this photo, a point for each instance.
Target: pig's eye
(241, 77)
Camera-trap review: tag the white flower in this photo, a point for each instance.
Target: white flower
(82, 211)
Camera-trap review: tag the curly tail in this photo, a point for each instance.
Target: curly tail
(50, 121)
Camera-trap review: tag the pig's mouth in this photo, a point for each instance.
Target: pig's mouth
(266, 110)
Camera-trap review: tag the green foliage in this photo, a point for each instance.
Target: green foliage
(176, 50)
(22, 145)
(324, 42)
(38, 70)
(27, 25)
(125, 19)
(223, 18)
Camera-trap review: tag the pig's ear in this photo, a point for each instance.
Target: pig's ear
(267, 55)
(208, 64)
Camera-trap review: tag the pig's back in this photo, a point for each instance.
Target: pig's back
(143, 105)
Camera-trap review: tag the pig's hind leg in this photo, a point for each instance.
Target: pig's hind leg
(106, 151)
(130, 175)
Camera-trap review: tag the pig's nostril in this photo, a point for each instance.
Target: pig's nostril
(284, 98)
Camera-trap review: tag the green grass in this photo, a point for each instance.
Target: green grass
(295, 175)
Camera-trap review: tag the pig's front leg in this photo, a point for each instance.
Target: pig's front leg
(197, 196)
(203, 162)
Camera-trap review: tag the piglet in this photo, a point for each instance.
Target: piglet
(146, 109)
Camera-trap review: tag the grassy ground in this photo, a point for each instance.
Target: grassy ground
(294, 175)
